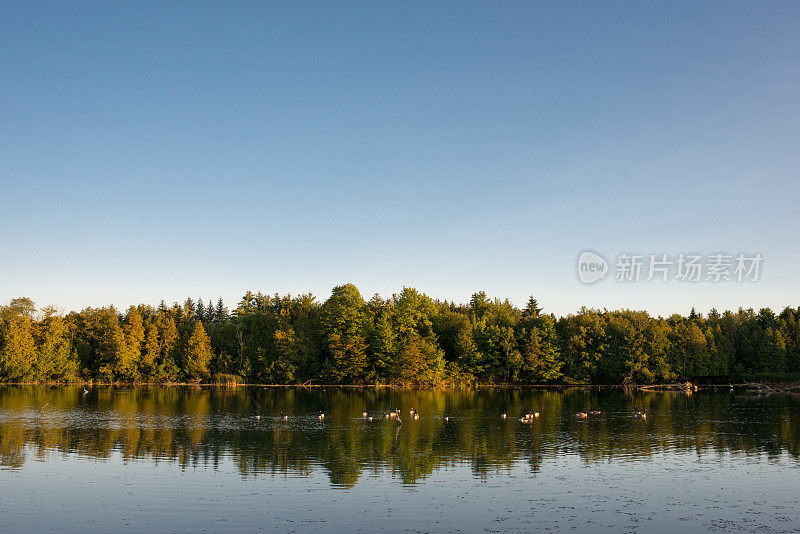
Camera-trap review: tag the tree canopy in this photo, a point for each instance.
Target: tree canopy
(409, 339)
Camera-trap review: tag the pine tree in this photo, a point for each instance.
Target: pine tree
(532, 310)
(167, 368)
(198, 354)
(127, 367)
(150, 354)
(210, 312)
(221, 312)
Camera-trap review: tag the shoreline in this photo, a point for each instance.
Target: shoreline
(685, 387)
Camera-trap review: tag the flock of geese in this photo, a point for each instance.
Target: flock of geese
(394, 414)
(524, 418)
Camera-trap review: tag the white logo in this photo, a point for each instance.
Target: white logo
(591, 267)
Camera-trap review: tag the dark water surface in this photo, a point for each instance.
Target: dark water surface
(182, 459)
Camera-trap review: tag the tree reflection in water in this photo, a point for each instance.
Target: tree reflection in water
(204, 426)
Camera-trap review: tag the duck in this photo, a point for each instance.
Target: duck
(446, 418)
(581, 415)
(321, 416)
(85, 391)
(369, 418)
(594, 412)
(385, 415)
(503, 415)
(284, 417)
(258, 417)
(411, 411)
(364, 413)
(416, 416)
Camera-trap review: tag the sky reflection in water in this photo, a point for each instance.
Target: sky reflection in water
(188, 459)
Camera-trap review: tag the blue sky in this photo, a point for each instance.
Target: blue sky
(155, 150)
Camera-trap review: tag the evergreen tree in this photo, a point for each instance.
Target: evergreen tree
(540, 354)
(167, 368)
(532, 310)
(127, 365)
(221, 312)
(772, 352)
(198, 354)
(151, 353)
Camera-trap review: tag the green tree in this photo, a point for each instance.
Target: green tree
(419, 359)
(19, 307)
(344, 321)
(772, 351)
(381, 339)
(167, 369)
(56, 358)
(198, 354)
(150, 354)
(18, 356)
(127, 366)
(540, 353)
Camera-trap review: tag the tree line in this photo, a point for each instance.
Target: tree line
(407, 340)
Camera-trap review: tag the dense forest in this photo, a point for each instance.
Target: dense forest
(408, 340)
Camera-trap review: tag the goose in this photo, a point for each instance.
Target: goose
(416, 416)
(503, 415)
(369, 418)
(536, 414)
(594, 412)
(385, 415)
(321, 416)
(85, 391)
(446, 418)
(411, 411)
(258, 417)
(581, 415)
(364, 413)
(284, 417)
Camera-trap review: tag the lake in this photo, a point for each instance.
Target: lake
(192, 459)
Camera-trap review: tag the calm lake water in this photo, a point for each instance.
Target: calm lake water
(183, 459)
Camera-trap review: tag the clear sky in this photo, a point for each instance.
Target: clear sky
(155, 150)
